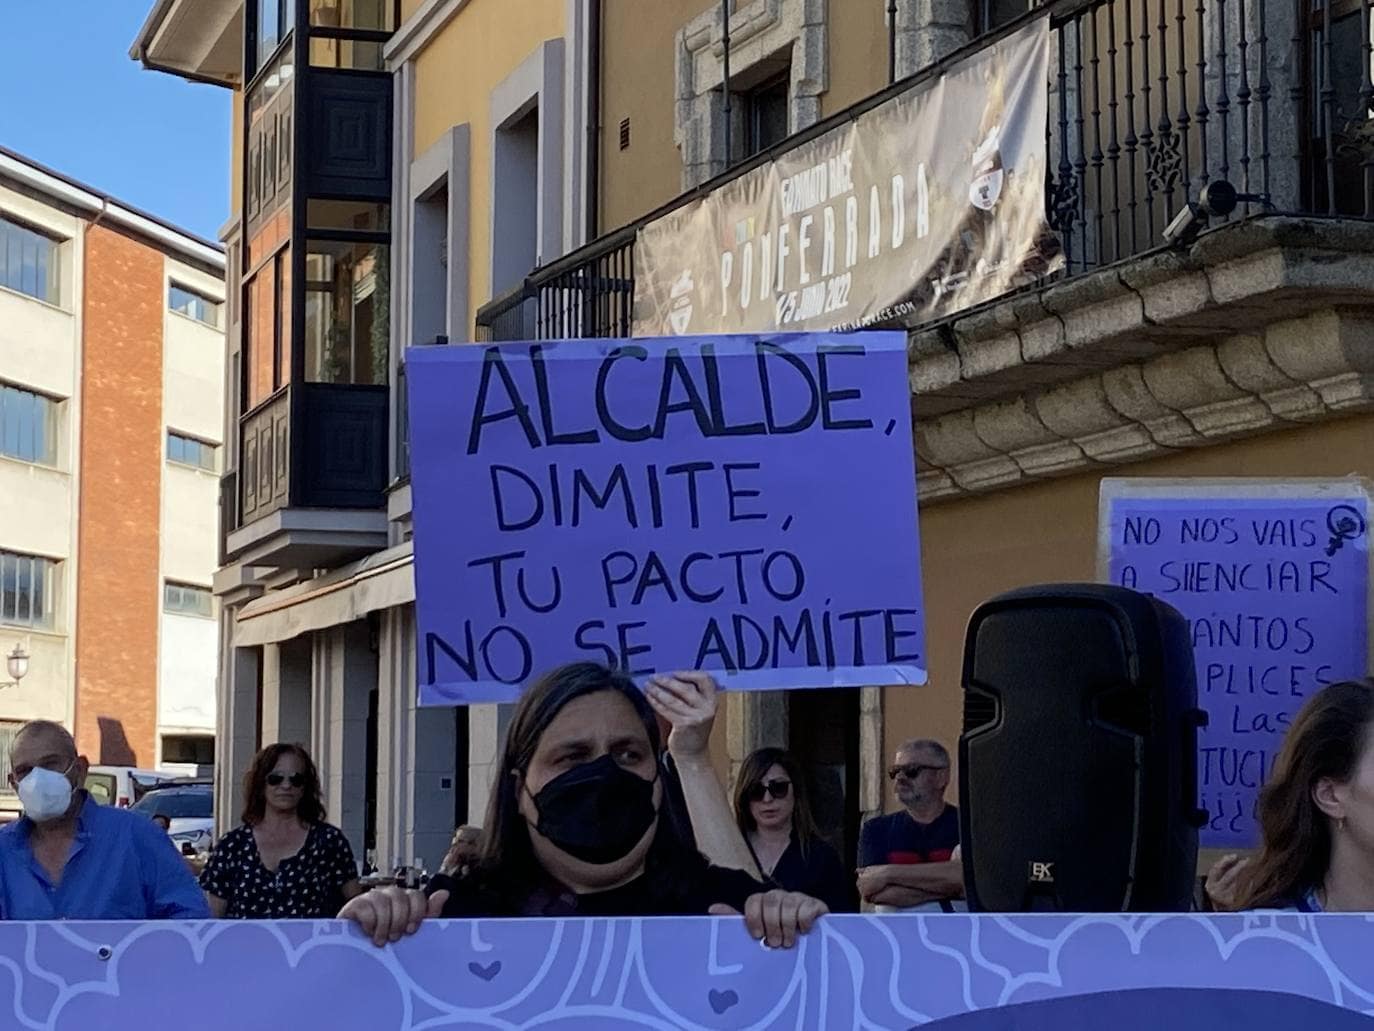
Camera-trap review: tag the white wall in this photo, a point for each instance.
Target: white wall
(190, 522)
(192, 405)
(193, 362)
(186, 699)
(40, 350)
(41, 344)
(37, 515)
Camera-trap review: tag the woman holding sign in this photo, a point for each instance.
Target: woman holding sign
(573, 827)
(1317, 811)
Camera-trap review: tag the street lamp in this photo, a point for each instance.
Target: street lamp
(17, 664)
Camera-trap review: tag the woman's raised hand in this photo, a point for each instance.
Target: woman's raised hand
(688, 702)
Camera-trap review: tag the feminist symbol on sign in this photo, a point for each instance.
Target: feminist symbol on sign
(1345, 523)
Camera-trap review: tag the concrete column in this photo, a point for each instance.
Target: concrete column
(286, 692)
(872, 783)
(755, 719)
(487, 725)
(236, 737)
(344, 674)
(928, 30)
(415, 756)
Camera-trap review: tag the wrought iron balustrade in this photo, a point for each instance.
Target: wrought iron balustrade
(1149, 101)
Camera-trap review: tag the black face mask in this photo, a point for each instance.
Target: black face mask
(596, 812)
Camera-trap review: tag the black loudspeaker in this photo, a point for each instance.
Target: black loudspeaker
(1078, 760)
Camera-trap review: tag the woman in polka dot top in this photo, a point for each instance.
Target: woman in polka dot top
(283, 861)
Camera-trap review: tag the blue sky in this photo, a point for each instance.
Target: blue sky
(71, 99)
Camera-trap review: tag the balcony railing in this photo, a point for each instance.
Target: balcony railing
(592, 287)
(265, 447)
(311, 445)
(228, 511)
(1150, 100)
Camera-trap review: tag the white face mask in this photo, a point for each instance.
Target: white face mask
(45, 794)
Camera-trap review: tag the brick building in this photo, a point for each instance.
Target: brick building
(111, 392)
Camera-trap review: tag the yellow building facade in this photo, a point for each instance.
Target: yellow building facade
(528, 142)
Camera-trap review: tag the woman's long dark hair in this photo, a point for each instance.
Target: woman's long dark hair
(311, 807)
(751, 774)
(1326, 741)
(508, 866)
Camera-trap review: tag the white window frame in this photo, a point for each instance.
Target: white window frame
(198, 591)
(55, 261)
(212, 447)
(53, 428)
(213, 305)
(51, 571)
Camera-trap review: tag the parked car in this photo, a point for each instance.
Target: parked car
(122, 785)
(189, 805)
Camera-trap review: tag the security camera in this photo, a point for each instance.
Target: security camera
(1217, 200)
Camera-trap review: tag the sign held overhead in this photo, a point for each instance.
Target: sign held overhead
(743, 505)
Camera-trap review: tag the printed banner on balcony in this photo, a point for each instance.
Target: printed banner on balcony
(742, 505)
(1273, 578)
(1032, 972)
(921, 207)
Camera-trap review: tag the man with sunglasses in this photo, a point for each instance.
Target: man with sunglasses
(70, 858)
(910, 859)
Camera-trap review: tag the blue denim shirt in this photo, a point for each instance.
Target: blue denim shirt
(122, 867)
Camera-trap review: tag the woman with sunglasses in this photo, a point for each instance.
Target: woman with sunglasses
(283, 861)
(775, 818)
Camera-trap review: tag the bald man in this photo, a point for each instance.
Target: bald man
(70, 858)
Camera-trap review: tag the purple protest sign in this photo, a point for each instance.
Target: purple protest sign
(945, 972)
(1274, 581)
(744, 505)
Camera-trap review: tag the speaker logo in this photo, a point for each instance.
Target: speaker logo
(1042, 873)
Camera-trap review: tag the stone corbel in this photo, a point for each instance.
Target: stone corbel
(1296, 370)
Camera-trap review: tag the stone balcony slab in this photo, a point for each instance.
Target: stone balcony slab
(1260, 324)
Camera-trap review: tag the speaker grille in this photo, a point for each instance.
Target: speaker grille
(1070, 799)
(980, 710)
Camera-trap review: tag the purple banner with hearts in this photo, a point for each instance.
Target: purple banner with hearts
(1262, 971)
(744, 505)
(1274, 581)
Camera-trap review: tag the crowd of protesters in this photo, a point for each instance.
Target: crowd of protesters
(592, 814)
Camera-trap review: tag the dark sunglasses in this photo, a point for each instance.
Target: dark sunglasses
(911, 772)
(779, 789)
(297, 779)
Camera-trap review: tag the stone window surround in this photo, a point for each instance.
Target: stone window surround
(758, 30)
(444, 165)
(537, 84)
(411, 38)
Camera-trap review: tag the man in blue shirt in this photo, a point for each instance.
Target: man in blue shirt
(70, 858)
